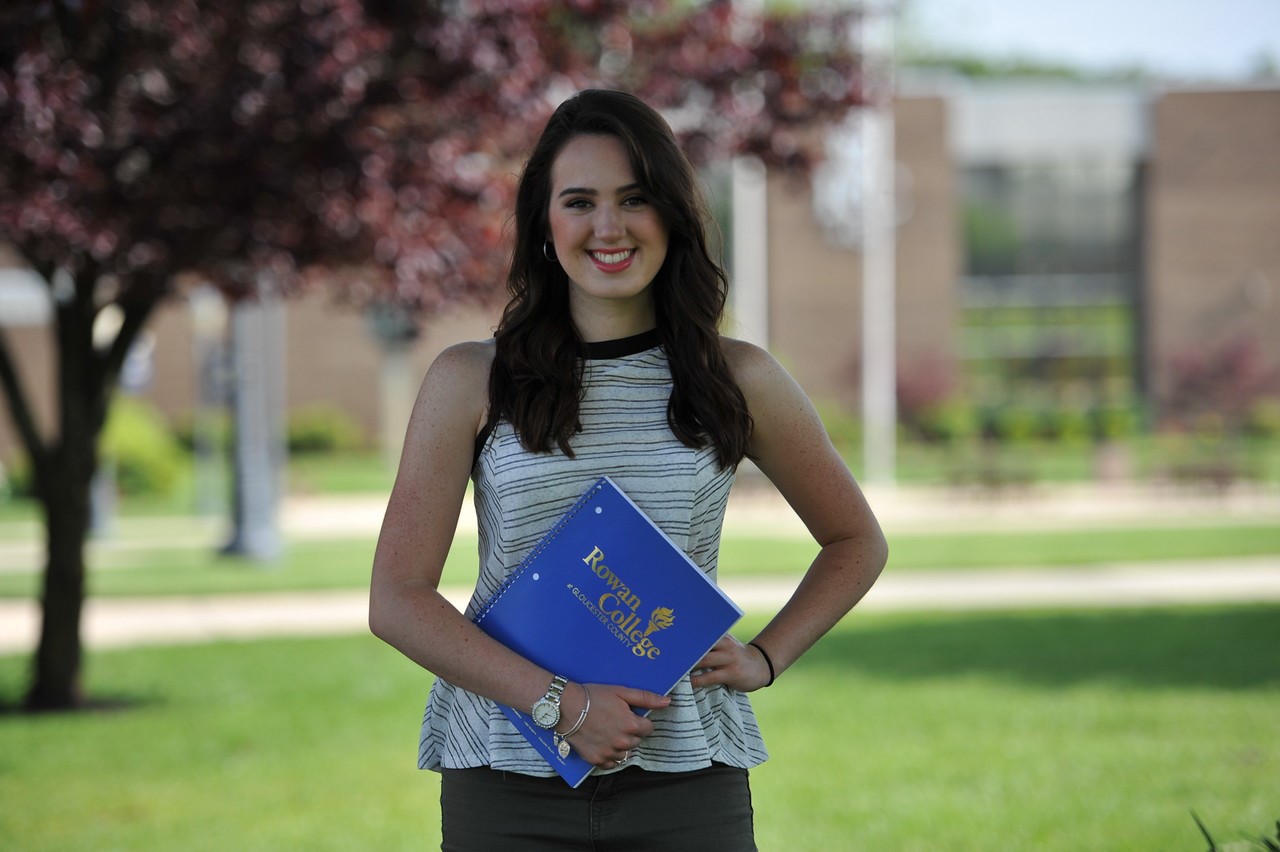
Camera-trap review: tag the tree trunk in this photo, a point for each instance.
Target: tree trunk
(56, 683)
(62, 484)
(87, 370)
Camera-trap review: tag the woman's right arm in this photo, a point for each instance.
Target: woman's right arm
(406, 609)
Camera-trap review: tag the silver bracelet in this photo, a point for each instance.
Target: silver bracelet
(562, 740)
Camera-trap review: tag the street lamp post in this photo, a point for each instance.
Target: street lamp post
(257, 346)
(879, 361)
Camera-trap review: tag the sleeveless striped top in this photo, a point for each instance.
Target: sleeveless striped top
(518, 497)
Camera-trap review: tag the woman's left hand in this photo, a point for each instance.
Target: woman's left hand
(732, 664)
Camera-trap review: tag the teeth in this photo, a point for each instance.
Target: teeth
(611, 256)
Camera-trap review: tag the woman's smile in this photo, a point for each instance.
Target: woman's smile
(613, 261)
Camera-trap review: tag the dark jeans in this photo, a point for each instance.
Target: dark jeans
(708, 810)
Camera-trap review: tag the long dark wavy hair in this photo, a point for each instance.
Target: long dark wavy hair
(536, 381)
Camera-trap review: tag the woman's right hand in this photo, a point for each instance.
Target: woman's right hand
(612, 730)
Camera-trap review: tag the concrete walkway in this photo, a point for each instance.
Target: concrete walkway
(122, 622)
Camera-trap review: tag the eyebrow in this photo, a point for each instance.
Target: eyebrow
(583, 190)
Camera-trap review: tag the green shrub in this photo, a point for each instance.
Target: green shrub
(1210, 428)
(218, 427)
(949, 422)
(844, 429)
(137, 442)
(323, 429)
(1263, 419)
(1070, 425)
(16, 481)
(1014, 424)
(1114, 422)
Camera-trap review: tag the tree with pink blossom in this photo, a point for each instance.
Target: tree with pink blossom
(366, 146)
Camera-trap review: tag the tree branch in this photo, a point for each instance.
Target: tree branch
(67, 23)
(20, 407)
(136, 314)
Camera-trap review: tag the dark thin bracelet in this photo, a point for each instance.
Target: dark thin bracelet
(768, 662)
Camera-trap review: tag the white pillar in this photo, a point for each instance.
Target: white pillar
(879, 361)
(257, 345)
(396, 394)
(750, 291)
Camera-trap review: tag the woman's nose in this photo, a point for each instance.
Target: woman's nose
(608, 222)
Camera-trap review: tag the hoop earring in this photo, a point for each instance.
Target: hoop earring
(549, 251)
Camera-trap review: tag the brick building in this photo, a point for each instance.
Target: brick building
(1065, 244)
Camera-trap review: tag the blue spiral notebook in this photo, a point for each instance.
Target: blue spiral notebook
(606, 597)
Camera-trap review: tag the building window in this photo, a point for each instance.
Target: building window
(1052, 273)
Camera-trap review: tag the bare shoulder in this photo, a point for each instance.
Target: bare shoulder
(462, 368)
(749, 363)
(756, 371)
(458, 383)
(465, 360)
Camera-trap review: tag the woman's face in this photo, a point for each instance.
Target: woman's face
(608, 237)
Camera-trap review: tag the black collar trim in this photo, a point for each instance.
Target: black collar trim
(621, 347)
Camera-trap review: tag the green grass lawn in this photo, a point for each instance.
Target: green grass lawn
(172, 568)
(1049, 731)
(340, 473)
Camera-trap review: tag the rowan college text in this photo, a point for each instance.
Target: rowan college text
(619, 608)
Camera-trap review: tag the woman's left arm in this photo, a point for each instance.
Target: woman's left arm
(790, 446)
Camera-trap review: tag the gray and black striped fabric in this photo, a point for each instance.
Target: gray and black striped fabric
(520, 495)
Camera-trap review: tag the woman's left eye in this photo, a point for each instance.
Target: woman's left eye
(635, 200)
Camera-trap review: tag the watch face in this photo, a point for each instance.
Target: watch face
(545, 713)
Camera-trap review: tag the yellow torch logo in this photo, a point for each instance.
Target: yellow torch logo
(662, 618)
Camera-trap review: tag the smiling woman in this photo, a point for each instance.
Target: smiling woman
(608, 361)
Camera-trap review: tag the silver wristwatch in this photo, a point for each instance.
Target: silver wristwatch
(546, 710)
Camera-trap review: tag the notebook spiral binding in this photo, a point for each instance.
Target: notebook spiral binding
(537, 550)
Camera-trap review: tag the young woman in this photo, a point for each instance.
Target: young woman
(608, 360)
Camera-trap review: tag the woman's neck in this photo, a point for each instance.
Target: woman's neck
(613, 322)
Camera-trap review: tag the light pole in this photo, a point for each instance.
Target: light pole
(855, 200)
(879, 339)
(257, 354)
